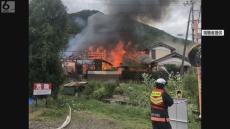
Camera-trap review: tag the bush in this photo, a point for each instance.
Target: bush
(90, 87)
(171, 68)
(99, 93)
(148, 80)
(118, 90)
(190, 84)
(138, 94)
(99, 90)
(131, 75)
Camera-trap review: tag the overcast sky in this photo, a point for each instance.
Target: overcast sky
(174, 24)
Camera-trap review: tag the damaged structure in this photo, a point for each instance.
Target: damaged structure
(95, 64)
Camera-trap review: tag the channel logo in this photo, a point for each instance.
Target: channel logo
(7, 6)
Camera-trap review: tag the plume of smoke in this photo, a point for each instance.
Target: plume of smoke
(106, 30)
(142, 9)
(100, 30)
(81, 23)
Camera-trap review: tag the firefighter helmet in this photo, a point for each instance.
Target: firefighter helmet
(160, 82)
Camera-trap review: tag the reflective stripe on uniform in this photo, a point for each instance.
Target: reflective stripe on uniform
(157, 100)
(157, 107)
(156, 94)
(156, 97)
(158, 119)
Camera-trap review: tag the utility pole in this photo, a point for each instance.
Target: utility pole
(192, 8)
(199, 67)
(185, 43)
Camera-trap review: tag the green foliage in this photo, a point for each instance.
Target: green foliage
(99, 90)
(174, 83)
(47, 37)
(171, 68)
(126, 116)
(72, 28)
(148, 80)
(138, 94)
(131, 75)
(190, 85)
(118, 90)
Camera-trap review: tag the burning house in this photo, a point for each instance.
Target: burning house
(68, 66)
(109, 42)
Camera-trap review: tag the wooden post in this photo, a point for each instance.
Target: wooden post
(46, 100)
(36, 100)
(199, 86)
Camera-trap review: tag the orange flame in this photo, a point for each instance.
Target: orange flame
(117, 54)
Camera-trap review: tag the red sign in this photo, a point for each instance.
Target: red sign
(42, 88)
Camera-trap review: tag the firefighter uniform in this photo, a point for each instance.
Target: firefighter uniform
(160, 101)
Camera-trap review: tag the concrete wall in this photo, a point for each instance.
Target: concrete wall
(104, 75)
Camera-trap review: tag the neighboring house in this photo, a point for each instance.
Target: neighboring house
(163, 54)
(160, 50)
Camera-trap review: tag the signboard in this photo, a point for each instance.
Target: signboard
(42, 89)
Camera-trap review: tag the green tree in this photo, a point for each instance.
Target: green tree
(47, 38)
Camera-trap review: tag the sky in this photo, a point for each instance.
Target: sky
(174, 24)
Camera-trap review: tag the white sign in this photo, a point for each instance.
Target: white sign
(42, 89)
(212, 32)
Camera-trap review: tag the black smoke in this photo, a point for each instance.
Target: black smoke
(119, 24)
(144, 9)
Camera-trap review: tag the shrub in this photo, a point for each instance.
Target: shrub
(99, 93)
(175, 82)
(99, 90)
(148, 80)
(90, 87)
(118, 90)
(138, 94)
(171, 68)
(131, 75)
(190, 84)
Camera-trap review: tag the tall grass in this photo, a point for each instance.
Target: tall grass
(99, 90)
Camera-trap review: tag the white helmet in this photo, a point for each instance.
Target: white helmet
(161, 81)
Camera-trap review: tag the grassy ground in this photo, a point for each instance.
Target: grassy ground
(93, 114)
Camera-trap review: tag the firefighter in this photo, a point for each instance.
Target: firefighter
(160, 101)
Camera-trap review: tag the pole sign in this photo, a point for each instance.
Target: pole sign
(42, 89)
